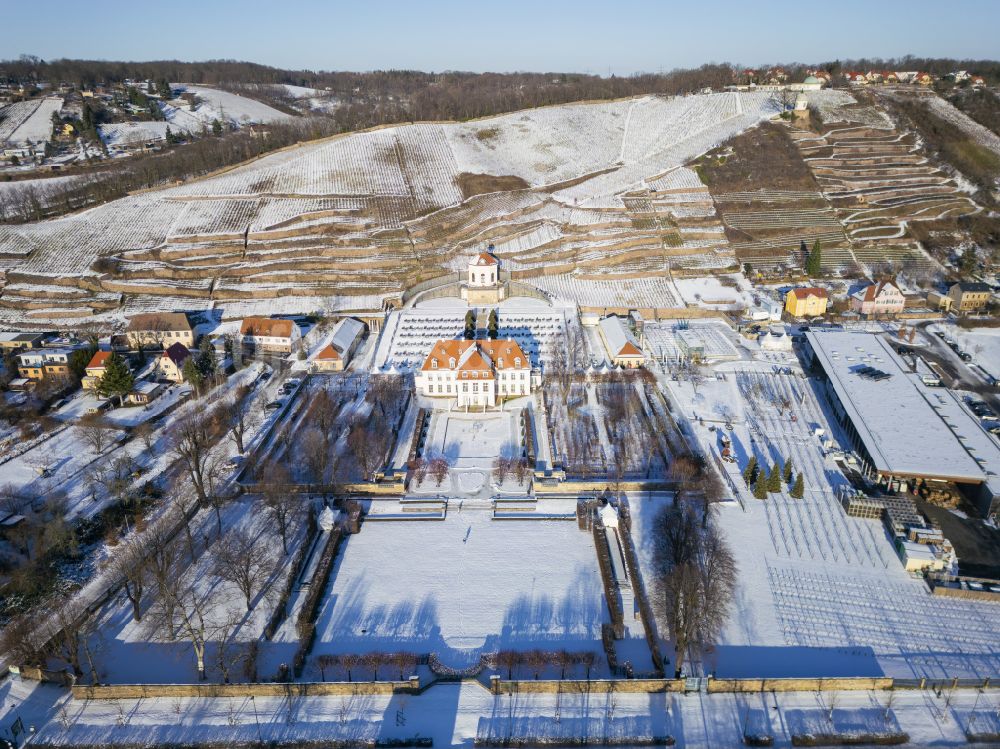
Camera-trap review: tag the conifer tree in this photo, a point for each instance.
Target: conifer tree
(814, 264)
(750, 472)
(206, 359)
(191, 373)
(787, 475)
(760, 486)
(117, 379)
(799, 489)
(774, 478)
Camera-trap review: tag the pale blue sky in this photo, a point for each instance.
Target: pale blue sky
(617, 36)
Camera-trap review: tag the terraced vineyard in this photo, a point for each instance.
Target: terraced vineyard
(878, 181)
(350, 222)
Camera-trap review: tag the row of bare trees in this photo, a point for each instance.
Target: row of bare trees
(402, 663)
(536, 661)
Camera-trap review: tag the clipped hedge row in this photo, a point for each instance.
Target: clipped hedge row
(608, 577)
(305, 624)
(298, 564)
(850, 739)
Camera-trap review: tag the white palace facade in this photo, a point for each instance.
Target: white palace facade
(475, 373)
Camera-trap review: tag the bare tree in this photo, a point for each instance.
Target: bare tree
(366, 447)
(501, 468)
(147, 434)
(96, 432)
(242, 558)
(695, 577)
(190, 440)
(404, 662)
(349, 662)
(129, 565)
(315, 448)
(373, 660)
(509, 659)
(282, 505)
(438, 468)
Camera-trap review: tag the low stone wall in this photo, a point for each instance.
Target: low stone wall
(303, 689)
(836, 684)
(970, 595)
(584, 487)
(583, 686)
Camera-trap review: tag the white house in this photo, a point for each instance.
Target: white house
(476, 373)
(270, 335)
(882, 298)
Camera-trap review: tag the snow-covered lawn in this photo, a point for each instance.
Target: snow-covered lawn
(138, 652)
(464, 586)
(53, 463)
(459, 714)
(820, 593)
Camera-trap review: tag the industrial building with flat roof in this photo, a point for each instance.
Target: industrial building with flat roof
(904, 432)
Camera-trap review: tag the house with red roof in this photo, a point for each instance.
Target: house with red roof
(95, 370)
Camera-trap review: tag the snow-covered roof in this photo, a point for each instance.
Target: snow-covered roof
(618, 338)
(346, 333)
(906, 428)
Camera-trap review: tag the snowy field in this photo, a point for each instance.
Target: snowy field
(709, 292)
(53, 465)
(220, 105)
(716, 337)
(820, 593)
(464, 586)
(122, 134)
(29, 121)
(410, 334)
(652, 291)
(391, 178)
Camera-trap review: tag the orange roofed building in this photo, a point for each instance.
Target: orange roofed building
(271, 335)
(475, 373)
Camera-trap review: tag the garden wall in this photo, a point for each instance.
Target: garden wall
(271, 689)
(799, 685)
(584, 686)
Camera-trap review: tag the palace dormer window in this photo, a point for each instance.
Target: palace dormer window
(434, 363)
(517, 361)
(451, 362)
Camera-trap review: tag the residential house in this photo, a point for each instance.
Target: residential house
(14, 341)
(621, 345)
(41, 364)
(806, 302)
(855, 78)
(159, 330)
(336, 355)
(95, 370)
(882, 298)
(270, 335)
(978, 80)
(170, 365)
(874, 76)
(924, 79)
(967, 296)
(145, 393)
(475, 373)
(937, 300)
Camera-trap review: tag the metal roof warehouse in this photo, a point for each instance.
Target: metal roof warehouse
(901, 428)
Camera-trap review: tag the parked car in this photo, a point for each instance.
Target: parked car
(274, 405)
